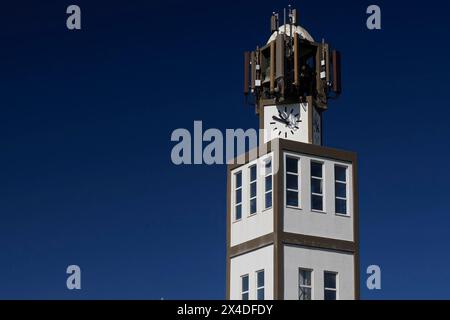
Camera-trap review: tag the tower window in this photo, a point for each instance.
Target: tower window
(253, 188)
(268, 184)
(317, 186)
(330, 288)
(238, 196)
(304, 284)
(292, 182)
(260, 285)
(340, 189)
(244, 287)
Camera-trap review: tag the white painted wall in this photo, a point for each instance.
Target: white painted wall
(319, 261)
(250, 263)
(327, 224)
(259, 224)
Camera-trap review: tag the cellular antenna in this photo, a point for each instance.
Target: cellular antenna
(274, 22)
(291, 67)
(293, 16)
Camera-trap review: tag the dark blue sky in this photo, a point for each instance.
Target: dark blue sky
(85, 126)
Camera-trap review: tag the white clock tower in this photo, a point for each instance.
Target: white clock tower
(292, 204)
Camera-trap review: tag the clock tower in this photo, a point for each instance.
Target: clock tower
(292, 204)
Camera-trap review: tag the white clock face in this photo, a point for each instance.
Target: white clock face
(285, 121)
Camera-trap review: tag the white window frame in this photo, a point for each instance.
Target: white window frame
(323, 185)
(331, 289)
(298, 174)
(248, 287)
(266, 174)
(260, 287)
(311, 286)
(346, 190)
(255, 197)
(236, 188)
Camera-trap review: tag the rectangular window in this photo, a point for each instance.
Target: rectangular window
(260, 285)
(316, 186)
(238, 196)
(330, 285)
(268, 184)
(253, 187)
(292, 182)
(340, 189)
(244, 287)
(304, 284)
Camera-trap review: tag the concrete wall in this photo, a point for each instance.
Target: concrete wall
(250, 226)
(326, 224)
(250, 263)
(318, 261)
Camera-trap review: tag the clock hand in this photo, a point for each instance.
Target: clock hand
(283, 115)
(280, 120)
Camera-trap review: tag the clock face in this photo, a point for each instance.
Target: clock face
(286, 121)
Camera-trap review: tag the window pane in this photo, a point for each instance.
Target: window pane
(244, 283)
(292, 181)
(238, 212)
(292, 198)
(316, 169)
(239, 196)
(330, 280)
(291, 165)
(245, 296)
(305, 277)
(253, 206)
(253, 190)
(260, 279)
(253, 173)
(330, 295)
(340, 190)
(268, 183)
(340, 173)
(316, 185)
(316, 202)
(260, 294)
(268, 199)
(341, 206)
(268, 167)
(238, 179)
(304, 293)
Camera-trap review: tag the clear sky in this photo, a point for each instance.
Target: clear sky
(85, 125)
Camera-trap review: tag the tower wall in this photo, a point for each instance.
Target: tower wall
(282, 239)
(305, 220)
(250, 226)
(319, 261)
(249, 264)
